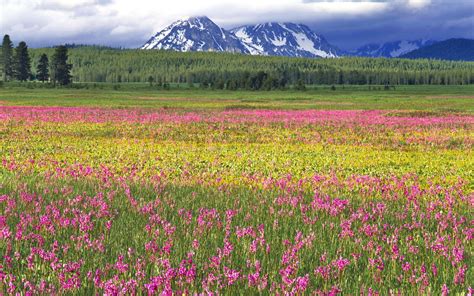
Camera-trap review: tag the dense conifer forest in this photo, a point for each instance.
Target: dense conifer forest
(232, 71)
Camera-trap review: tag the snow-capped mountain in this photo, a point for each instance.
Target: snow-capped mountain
(279, 39)
(391, 49)
(195, 34)
(284, 39)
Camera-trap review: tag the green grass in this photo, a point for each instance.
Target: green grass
(128, 231)
(433, 98)
(402, 186)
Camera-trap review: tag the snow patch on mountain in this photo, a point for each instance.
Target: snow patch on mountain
(276, 39)
(279, 41)
(284, 39)
(195, 34)
(247, 42)
(404, 47)
(391, 49)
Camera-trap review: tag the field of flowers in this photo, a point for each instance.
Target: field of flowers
(173, 201)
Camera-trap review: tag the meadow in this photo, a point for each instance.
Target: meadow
(188, 191)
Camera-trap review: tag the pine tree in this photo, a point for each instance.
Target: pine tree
(42, 70)
(300, 85)
(22, 62)
(60, 69)
(151, 80)
(96, 64)
(7, 58)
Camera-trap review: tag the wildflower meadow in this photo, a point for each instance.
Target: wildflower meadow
(168, 201)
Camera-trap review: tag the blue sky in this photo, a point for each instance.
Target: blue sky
(347, 24)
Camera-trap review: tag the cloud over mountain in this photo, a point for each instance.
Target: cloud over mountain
(347, 24)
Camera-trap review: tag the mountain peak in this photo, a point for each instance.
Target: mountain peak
(199, 21)
(199, 33)
(284, 39)
(195, 34)
(200, 18)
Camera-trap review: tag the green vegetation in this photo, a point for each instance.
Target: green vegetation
(232, 71)
(436, 98)
(139, 201)
(60, 68)
(7, 58)
(42, 69)
(165, 180)
(224, 71)
(18, 66)
(23, 62)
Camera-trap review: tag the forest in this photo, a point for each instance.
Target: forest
(101, 64)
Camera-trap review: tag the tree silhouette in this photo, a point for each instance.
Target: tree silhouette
(22, 62)
(42, 70)
(60, 69)
(7, 58)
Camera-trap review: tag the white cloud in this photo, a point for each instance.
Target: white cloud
(152, 16)
(129, 23)
(418, 3)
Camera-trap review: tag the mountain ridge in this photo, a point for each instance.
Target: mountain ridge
(277, 39)
(195, 34)
(284, 39)
(391, 49)
(202, 34)
(454, 49)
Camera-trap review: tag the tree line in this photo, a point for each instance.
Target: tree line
(222, 70)
(236, 71)
(16, 64)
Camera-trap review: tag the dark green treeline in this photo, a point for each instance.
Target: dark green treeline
(15, 64)
(232, 71)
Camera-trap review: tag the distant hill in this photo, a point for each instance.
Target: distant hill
(451, 49)
(392, 49)
(96, 46)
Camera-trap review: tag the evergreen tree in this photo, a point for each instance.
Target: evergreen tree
(151, 80)
(60, 69)
(22, 62)
(42, 71)
(7, 58)
(300, 85)
(97, 64)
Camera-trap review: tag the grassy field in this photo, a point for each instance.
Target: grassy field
(142, 191)
(431, 98)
